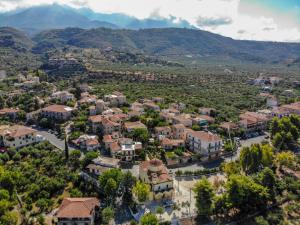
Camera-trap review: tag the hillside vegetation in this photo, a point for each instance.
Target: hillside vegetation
(170, 42)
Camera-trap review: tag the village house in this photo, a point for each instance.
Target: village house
(18, 136)
(10, 113)
(155, 173)
(62, 96)
(207, 118)
(131, 126)
(80, 211)
(204, 143)
(252, 121)
(229, 126)
(108, 127)
(58, 112)
(125, 149)
(167, 116)
(87, 142)
(95, 122)
(134, 113)
(100, 106)
(151, 106)
(179, 131)
(183, 119)
(170, 144)
(163, 132)
(115, 99)
(179, 106)
(206, 111)
(136, 106)
(86, 98)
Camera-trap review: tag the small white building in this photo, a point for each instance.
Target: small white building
(63, 96)
(204, 143)
(59, 112)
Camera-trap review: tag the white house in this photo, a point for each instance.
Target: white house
(18, 136)
(204, 143)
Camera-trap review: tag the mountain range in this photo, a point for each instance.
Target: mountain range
(167, 43)
(35, 19)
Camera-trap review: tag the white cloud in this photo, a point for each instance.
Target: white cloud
(225, 17)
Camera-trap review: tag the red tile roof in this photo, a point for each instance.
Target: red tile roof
(205, 136)
(96, 118)
(77, 207)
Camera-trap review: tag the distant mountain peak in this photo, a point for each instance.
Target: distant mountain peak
(56, 16)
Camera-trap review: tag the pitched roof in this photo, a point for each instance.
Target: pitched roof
(77, 207)
(205, 136)
(92, 142)
(115, 147)
(96, 118)
(17, 131)
(58, 108)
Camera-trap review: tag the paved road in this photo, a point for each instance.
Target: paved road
(54, 140)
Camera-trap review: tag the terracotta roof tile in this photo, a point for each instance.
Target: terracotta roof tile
(77, 207)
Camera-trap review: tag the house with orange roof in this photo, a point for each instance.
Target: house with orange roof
(108, 126)
(156, 174)
(18, 136)
(58, 112)
(204, 143)
(95, 122)
(252, 121)
(80, 211)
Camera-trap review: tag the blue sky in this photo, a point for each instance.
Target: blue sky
(272, 20)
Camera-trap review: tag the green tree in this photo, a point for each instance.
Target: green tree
(9, 218)
(149, 219)
(204, 197)
(107, 215)
(142, 191)
(245, 194)
(231, 168)
(285, 159)
(89, 156)
(141, 134)
(110, 187)
(128, 182)
(75, 158)
(267, 178)
(110, 180)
